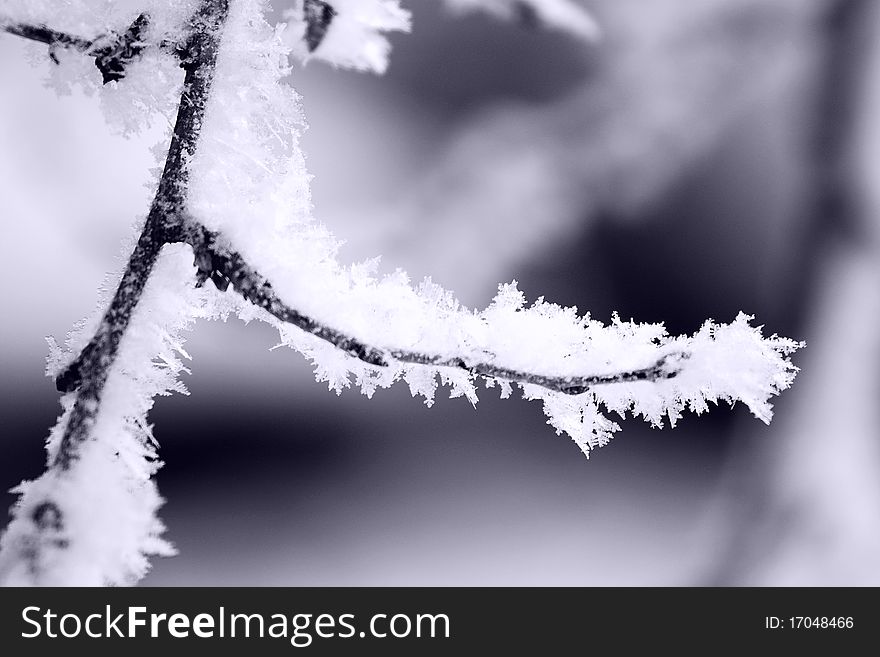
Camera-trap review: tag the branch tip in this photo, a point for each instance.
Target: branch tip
(114, 52)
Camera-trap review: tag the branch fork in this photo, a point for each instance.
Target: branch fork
(168, 222)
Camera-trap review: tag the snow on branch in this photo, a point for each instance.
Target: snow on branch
(557, 354)
(96, 452)
(233, 206)
(112, 51)
(224, 267)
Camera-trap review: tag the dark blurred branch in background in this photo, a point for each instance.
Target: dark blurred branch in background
(762, 519)
(318, 16)
(834, 213)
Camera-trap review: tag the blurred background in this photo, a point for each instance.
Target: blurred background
(697, 160)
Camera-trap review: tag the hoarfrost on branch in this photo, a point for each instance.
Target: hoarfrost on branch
(233, 208)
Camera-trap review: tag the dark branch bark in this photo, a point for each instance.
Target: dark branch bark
(48, 36)
(168, 222)
(112, 52)
(666, 367)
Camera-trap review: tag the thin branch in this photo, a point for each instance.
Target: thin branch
(90, 369)
(229, 267)
(165, 224)
(168, 222)
(666, 367)
(225, 267)
(46, 35)
(112, 52)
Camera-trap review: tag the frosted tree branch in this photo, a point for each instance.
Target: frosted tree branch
(89, 371)
(46, 35)
(169, 222)
(225, 267)
(165, 224)
(101, 449)
(112, 52)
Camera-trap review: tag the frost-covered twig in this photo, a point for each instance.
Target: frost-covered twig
(44, 528)
(112, 52)
(89, 371)
(225, 266)
(46, 35)
(234, 189)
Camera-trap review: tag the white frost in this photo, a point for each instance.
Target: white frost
(107, 499)
(248, 182)
(252, 187)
